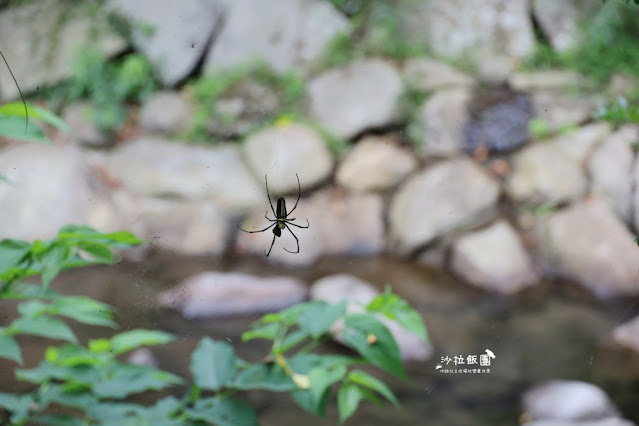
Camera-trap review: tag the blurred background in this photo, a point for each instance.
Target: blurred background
(479, 157)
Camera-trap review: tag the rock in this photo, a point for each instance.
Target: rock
(49, 187)
(179, 35)
(427, 74)
(494, 259)
(351, 225)
(579, 143)
(83, 128)
(358, 293)
(610, 168)
(223, 294)
(443, 117)
(286, 34)
(627, 334)
(166, 112)
(621, 85)
(559, 21)
(587, 243)
(500, 127)
(568, 400)
(543, 174)
(143, 357)
(157, 167)
(282, 151)
(245, 107)
(489, 32)
(448, 196)
(560, 110)
(36, 58)
(189, 227)
(359, 96)
(375, 163)
(546, 80)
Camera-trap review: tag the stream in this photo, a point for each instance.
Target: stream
(553, 330)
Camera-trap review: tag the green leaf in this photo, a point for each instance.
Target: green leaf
(318, 395)
(288, 316)
(267, 331)
(74, 355)
(58, 421)
(32, 308)
(366, 380)
(303, 363)
(293, 339)
(44, 326)
(213, 364)
(318, 317)
(223, 412)
(18, 405)
(16, 109)
(12, 253)
(9, 348)
(126, 379)
(348, 399)
(98, 252)
(84, 310)
(384, 353)
(395, 308)
(270, 377)
(124, 342)
(13, 128)
(45, 371)
(52, 262)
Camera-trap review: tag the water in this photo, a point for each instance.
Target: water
(552, 331)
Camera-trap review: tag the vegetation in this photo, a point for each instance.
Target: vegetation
(107, 85)
(205, 92)
(609, 45)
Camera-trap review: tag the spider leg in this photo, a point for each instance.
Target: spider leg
(298, 226)
(267, 218)
(299, 194)
(253, 232)
(296, 240)
(269, 197)
(270, 248)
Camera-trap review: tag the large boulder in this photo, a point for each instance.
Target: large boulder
(590, 245)
(449, 196)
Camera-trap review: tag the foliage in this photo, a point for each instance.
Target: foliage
(609, 45)
(92, 383)
(13, 118)
(618, 112)
(108, 85)
(205, 92)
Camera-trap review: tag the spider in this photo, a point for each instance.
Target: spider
(281, 220)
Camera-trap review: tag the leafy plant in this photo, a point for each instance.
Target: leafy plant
(618, 112)
(108, 85)
(91, 384)
(206, 91)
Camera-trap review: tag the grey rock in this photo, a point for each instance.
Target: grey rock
(543, 174)
(610, 167)
(178, 36)
(189, 227)
(568, 400)
(166, 112)
(443, 117)
(286, 33)
(83, 129)
(494, 259)
(622, 84)
(590, 245)
(356, 97)
(282, 151)
(38, 59)
(222, 294)
(546, 79)
(627, 334)
(375, 163)
(559, 21)
(559, 110)
(448, 196)
(358, 293)
(611, 421)
(489, 32)
(157, 167)
(428, 74)
(38, 199)
(579, 143)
